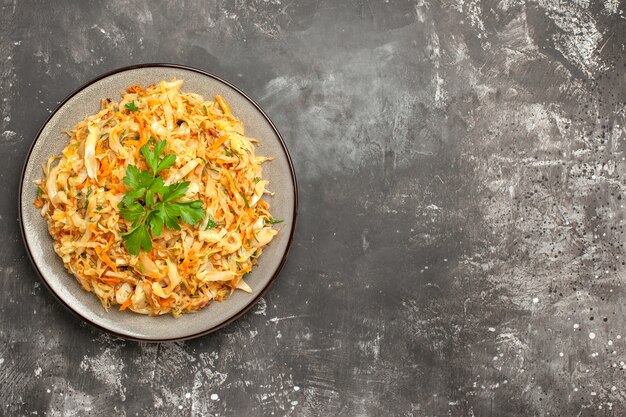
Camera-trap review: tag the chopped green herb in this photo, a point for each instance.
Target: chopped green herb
(245, 200)
(99, 208)
(39, 191)
(210, 225)
(131, 106)
(273, 220)
(206, 113)
(227, 152)
(87, 197)
(257, 179)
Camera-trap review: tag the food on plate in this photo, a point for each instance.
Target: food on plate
(155, 205)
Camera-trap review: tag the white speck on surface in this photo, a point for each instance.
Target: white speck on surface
(578, 38)
(101, 366)
(364, 241)
(561, 354)
(592, 335)
(576, 326)
(296, 388)
(188, 395)
(214, 397)
(8, 135)
(492, 329)
(535, 300)
(261, 307)
(38, 371)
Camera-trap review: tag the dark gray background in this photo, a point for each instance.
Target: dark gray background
(460, 248)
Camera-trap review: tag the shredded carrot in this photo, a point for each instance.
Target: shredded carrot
(222, 103)
(126, 303)
(110, 280)
(105, 258)
(143, 138)
(218, 142)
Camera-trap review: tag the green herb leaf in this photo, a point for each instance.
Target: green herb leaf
(153, 156)
(189, 211)
(137, 239)
(273, 220)
(156, 221)
(131, 196)
(99, 208)
(131, 106)
(175, 191)
(166, 162)
(132, 212)
(39, 191)
(137, 179)
(156, 187)
(227, 152)
(206, 113)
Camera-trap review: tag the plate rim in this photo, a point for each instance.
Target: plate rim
(283, 145)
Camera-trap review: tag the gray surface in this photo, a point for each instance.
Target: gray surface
(51, 142)
(462, 187)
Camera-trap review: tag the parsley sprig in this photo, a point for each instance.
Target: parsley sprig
(150, 204)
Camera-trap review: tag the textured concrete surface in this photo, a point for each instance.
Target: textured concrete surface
(460, 249)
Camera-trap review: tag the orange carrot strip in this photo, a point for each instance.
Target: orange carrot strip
(143, 138)
(126, 303)
(218, 142)
(105, 258)
(225, 108)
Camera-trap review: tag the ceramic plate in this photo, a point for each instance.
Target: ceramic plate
(50, 141)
